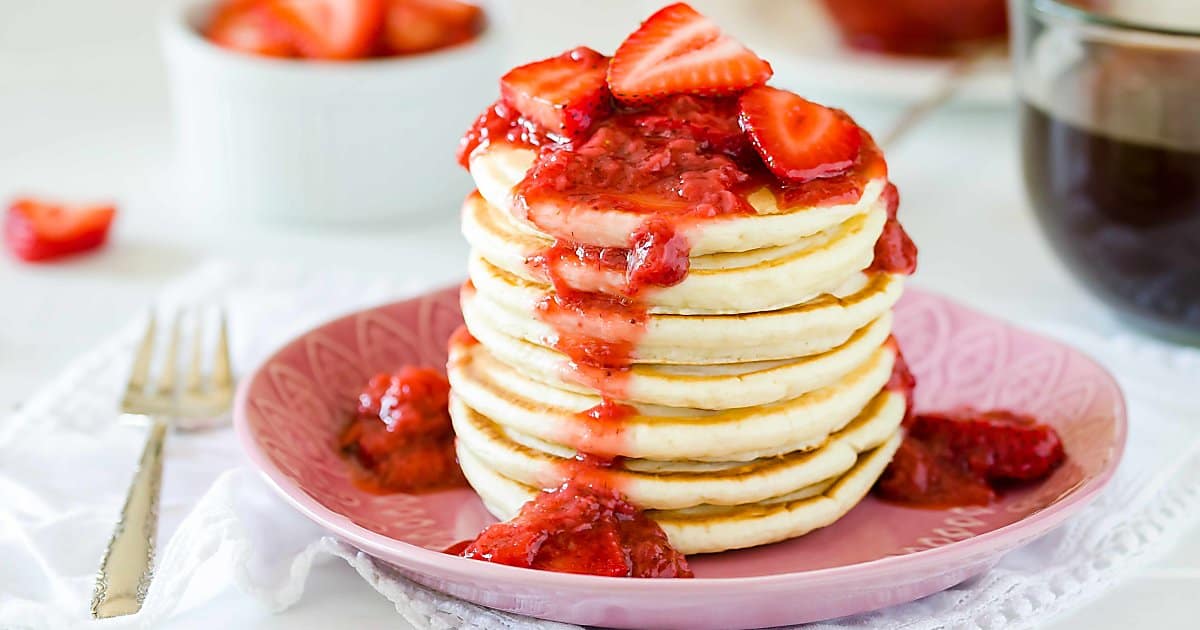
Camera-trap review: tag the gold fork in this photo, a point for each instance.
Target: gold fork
(128, 563)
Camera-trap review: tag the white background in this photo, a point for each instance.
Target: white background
(83, 115)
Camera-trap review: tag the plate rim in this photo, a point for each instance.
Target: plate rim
(437, 564)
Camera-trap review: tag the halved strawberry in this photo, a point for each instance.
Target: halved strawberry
(799, 140)
(562, 94)
(248, 26)
(331, 29)
(36, 230)
(414, 26)
(679, 51)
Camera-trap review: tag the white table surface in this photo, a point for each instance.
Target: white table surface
(83, 114)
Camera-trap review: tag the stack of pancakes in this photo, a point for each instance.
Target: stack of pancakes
(757, 383)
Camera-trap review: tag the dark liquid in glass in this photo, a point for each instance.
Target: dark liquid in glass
(1123, 214)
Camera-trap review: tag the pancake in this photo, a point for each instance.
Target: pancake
(708, 529)
(722, 386)
(533, 408)
(676, 484)
(767, 278)
(511, 305)
(498, 167)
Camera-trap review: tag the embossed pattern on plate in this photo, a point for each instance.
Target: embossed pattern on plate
(289, 411)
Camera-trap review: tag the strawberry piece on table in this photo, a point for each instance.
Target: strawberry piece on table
(415, 26)
(679, 51)
(798, 140)
(331, 29)
(562, 94)
(249, 26)
(35, 230)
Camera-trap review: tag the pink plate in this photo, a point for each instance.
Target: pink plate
(290, 409)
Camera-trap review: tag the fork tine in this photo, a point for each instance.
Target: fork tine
(222, 377)
(195, 377)
(139, 373)
(166, 382)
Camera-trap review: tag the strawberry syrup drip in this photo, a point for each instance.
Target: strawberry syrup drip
(902, 380)
(895, 252)
(968, 458)
(602, 428)
(461, 337)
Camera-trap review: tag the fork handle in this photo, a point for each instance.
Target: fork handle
(128, 562)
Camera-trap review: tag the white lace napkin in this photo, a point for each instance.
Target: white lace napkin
(64, 467)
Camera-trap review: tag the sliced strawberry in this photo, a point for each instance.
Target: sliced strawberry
(36, 230)
(249, 26)
(331, 29)
(415, 26)
(679, 51)
(562, 94)
(799, 140)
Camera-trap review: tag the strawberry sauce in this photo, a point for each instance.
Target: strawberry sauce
(894, 251)
(968, 458)
(575, 529)
(400, 439)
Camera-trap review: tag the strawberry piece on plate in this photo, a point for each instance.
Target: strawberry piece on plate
(562, 94)
(679, 51)
(415, 26)
(331, 29)
(919, 474)
(798, 140)
(997, 445)
(35, 230)
(249, 26)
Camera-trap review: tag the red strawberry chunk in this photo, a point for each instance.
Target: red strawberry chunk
(36, 230)
(563, 95)
(962, 458)
(414, 26)
(797, 139)
(921, 475)
(331, 29)
(996, 445)
(249, 26)
(679, 51)
(579, 529)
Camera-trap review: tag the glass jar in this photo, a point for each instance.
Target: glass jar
(1110, 133)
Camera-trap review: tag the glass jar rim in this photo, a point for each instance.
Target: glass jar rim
(1069, 11)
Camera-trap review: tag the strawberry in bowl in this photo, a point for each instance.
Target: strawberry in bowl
(330, 112)
(918, 27)
(342, 30)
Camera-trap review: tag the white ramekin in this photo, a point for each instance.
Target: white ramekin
(305, 142)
